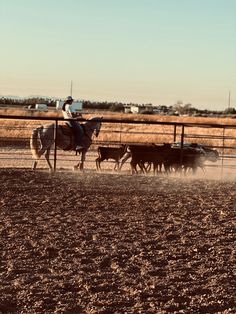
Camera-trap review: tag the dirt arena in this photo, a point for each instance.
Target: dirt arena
(115, 243)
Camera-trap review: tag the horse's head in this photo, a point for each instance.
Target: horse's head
(95, 124)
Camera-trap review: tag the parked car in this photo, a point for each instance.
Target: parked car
(39, 107)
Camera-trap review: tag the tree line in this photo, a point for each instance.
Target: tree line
(177, 109)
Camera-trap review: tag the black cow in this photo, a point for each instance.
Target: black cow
(148, 154)
(193, 156)
(115, 153)
(186, 159)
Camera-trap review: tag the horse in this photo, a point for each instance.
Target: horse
(44, 137)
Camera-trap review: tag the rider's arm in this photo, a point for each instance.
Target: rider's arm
(77, 115)
(71, 112)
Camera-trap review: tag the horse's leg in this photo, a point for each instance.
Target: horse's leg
(40, 153)
(98, 166)
(47, 159)
(80, 165)
(82, 160)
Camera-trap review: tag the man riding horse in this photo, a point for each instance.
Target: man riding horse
(70, 113)
(43, 139)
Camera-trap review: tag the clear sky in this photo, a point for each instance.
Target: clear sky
(140, 51)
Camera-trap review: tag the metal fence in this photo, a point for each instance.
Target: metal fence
(15, 132)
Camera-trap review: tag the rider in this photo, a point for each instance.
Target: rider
(70, 113)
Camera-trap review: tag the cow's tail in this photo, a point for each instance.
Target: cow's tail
(35, 142)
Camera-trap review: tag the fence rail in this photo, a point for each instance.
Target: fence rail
(15, 132)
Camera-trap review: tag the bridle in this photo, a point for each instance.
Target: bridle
(92, 129)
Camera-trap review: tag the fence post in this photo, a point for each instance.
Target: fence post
(175, 133)
(182, 148)
(223, 152)
(120, 131)
(55, 146)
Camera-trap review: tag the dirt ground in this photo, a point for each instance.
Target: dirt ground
(115, 243)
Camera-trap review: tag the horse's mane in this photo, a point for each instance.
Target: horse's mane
(97, 119)
(92, 122)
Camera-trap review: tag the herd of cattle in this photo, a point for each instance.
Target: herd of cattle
(165, 157)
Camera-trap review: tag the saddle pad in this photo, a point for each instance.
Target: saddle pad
(66, 130)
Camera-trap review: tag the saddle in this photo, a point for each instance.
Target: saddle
(68, 136)
(67, 129)
(68, 132)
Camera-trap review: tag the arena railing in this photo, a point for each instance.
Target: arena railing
(176, 131)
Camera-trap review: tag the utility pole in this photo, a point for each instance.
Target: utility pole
(71, 85)
(229, 100)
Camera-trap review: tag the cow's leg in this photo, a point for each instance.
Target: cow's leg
(117, 165)
(126, 157)
(35, 162)
(133, 165)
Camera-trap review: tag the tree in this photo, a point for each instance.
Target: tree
(230, 111)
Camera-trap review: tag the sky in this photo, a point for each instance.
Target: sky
(130, 51)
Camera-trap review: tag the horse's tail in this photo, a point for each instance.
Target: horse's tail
(35, 142)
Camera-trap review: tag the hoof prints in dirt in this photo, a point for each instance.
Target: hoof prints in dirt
(93, 243)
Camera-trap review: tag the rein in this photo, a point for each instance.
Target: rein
(86, 131)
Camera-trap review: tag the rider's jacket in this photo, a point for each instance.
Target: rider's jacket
(67, 112)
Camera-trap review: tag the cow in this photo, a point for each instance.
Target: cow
(192, 157)
(148, 154)
(185, 159)
(115, 153)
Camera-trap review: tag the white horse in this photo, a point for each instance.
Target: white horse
(43, 138)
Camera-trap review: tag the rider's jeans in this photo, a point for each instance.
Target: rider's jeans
(79, 132)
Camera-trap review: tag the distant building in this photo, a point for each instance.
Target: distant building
(127, 109)
(138, 109)
(39, 107)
